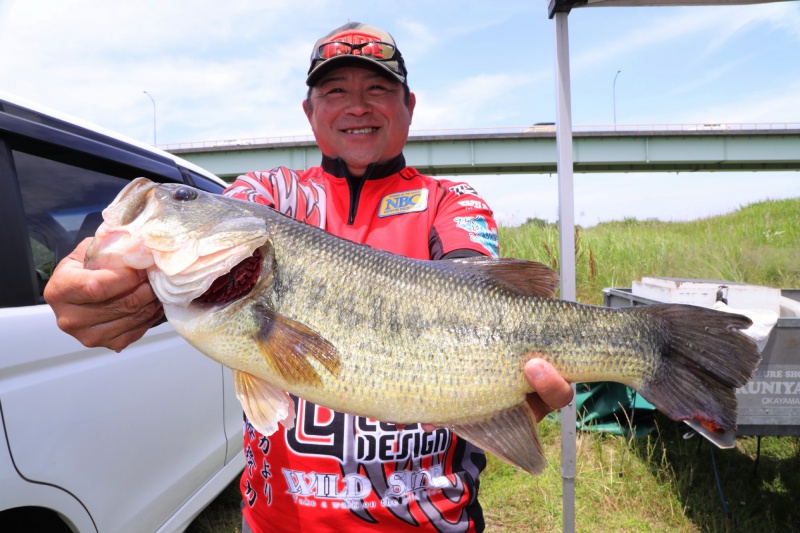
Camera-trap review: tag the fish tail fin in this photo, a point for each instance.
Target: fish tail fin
(705, 357)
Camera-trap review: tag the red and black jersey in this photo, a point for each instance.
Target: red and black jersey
(337, 472)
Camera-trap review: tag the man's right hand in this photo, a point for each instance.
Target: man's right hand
(110, 308)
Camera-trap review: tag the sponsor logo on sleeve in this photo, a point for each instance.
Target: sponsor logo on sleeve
(403, 202)
(479, 232)
(473, 204)
(463, 188)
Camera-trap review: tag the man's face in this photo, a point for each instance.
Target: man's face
(359, 116)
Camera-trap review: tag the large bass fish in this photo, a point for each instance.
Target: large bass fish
(292, 308)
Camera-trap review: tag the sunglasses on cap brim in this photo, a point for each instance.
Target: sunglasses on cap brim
(375, 50)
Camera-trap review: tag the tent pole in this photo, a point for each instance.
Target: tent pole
(566, 230)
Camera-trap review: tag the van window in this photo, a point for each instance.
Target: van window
(62, 204)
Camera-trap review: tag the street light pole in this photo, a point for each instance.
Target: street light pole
(154, 116)
(614, 93)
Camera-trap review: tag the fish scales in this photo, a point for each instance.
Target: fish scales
(366, 332)
(511, 328)
(402, 326)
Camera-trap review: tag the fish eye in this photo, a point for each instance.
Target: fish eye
(184, 194)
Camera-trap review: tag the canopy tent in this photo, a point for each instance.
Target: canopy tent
(559, 11)
(566, 5)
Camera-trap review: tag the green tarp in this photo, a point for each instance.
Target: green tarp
(613, 408)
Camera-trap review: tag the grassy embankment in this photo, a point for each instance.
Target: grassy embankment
(660, 482)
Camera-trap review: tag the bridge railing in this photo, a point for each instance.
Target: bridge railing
(508, 130)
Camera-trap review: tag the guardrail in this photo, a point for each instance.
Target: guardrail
(536, 128)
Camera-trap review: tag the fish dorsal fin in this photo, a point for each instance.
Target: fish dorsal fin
(265, 405)
(510, 435)
(287, 346)
(527, 278)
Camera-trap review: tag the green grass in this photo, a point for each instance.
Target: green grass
(661, 482)
(657, 483)
(755, 244)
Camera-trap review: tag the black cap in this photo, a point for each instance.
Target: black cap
(349, 44)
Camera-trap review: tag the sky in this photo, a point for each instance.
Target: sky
(236, 70)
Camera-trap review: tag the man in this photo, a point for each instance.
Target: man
(337, 472)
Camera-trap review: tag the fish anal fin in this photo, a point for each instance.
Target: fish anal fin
(527, 278)
(510, 435)
(264, 404)
(287, 346)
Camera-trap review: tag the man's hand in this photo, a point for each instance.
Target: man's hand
(110, 308)
(552, 391)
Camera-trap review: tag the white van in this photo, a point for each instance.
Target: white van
(92, 440)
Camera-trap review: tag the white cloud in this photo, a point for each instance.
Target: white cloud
(778, 105)
(236, 69)
(475, 100)
(665, 28)
(604, 197)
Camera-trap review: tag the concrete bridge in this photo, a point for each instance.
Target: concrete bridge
(609, 149)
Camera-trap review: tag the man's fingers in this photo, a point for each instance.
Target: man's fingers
(118, 332)
(72, 284)
(137, 302)
(110, 308)
(552, 391)
(130, 336)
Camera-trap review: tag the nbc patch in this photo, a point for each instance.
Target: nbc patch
(403, 202)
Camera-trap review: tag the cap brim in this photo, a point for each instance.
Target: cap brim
(351, 60)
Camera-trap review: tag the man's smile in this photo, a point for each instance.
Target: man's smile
(361, 130)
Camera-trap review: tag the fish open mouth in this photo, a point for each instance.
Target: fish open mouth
(236, 283)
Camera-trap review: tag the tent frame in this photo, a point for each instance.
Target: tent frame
(559, 10)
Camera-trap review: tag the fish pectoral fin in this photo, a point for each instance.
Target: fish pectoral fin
(264, 404)
(510, 435)
(288, 346)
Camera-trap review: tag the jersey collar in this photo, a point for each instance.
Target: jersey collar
(337, 167)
